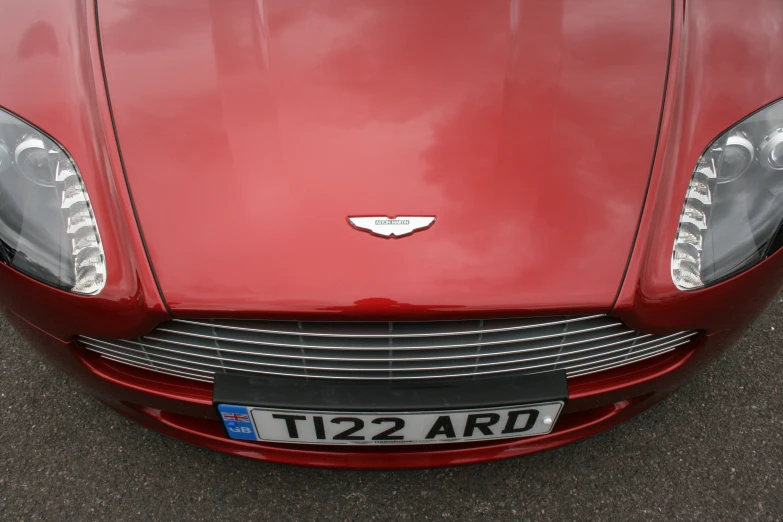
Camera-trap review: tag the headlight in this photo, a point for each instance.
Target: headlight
(733, 210)
(47, 228)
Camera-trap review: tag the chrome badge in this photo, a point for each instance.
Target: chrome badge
(392, 227)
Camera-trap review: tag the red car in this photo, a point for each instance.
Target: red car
(387, 233)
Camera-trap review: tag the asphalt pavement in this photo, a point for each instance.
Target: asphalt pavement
(714, 451)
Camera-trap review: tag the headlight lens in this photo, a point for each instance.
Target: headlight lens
(734, 205)
(47, 228)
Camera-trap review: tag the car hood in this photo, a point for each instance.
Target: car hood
(250, 131)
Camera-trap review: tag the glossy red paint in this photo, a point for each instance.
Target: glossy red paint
(720, 49)
(718, 59)
(52, 77)
(249, 133)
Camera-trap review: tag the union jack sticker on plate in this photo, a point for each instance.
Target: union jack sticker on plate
(237, 421)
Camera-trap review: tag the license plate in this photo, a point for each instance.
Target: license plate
(319, 427)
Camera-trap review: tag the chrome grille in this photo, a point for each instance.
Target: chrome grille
(198, 349)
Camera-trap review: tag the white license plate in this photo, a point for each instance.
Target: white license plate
(312, 427)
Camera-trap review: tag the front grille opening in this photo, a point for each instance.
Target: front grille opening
(200, 348)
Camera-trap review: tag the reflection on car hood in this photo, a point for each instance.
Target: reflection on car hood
(251, 131)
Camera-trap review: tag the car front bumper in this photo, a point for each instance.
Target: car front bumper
(184, 410)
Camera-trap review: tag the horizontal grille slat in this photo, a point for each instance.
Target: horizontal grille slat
(156, 368)
(595, 367)
(383, 355)
(198, 349)
(535, 362)
(381, 329)
(374, 343)
(381, 364)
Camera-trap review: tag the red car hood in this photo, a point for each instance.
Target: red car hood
(251, 130)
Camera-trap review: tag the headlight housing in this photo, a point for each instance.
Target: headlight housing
(47, 227)
(733, 209)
